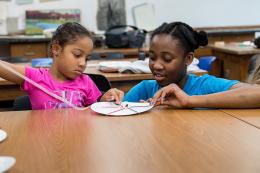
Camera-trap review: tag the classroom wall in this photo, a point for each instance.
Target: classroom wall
(199, 13)
(205, 13)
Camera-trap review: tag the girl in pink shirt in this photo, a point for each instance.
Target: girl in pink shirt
(70, 48)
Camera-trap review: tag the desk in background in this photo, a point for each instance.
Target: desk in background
(37, 47)
(232, 60)
(161, 140)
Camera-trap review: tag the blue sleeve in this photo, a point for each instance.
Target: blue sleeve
(213, 84)
(137, 93)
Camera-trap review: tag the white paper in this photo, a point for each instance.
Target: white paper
(3, 135)
(6, 163)
(125, 108)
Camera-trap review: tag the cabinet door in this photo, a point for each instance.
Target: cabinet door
(29, 50)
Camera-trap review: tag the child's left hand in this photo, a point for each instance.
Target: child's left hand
(113, 95)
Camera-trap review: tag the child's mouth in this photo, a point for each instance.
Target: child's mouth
(159, 77)
(78, 72)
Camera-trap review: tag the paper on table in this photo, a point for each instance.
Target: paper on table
(6, 162)
(125, 108)
(3, 135)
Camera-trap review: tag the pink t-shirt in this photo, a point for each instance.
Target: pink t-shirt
(81, 91)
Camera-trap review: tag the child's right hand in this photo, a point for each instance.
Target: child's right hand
(113, 95)
(171, 95)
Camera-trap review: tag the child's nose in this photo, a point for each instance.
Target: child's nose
(82, 62)
(158, 65)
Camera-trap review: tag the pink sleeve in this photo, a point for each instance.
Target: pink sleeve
(32, 74)
(92, 91)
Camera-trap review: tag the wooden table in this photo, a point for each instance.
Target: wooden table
(162, 140)
(233, 60)
(250, 116)
(9, 90)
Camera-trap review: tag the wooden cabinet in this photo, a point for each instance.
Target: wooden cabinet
(29, 50)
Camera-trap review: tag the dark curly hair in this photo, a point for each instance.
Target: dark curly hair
(189, 38)
(257, 42)
(68, 33)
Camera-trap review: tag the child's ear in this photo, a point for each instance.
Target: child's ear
(56, 49)
(189, 58)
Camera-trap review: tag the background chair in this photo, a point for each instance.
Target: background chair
(106, 55)
(101, 81)
(205, 62)
(23, 102)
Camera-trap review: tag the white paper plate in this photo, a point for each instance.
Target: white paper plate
(109, 108)
(6, 163)
(3, 135)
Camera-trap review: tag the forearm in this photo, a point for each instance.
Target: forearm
(4, 73)
(244, 97)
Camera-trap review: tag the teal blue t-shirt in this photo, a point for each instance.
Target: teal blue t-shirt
(195, 85)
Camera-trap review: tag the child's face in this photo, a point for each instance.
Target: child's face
(167, 60)
(72, 59)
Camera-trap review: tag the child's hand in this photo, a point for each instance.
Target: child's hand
(171, 95)
(113, 95)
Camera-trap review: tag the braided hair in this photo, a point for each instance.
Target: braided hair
(68, 33)
(189, 38)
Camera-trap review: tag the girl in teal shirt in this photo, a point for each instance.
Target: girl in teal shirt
(171, 51)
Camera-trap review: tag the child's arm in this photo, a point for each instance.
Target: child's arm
(7, 75)
(239, 96)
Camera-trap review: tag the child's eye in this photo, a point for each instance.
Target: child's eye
(151, 55)
(88, 57)
(77, 55)
(167, 58)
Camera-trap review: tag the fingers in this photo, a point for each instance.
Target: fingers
(116, 95)
(157, 96)
(161, 95)
(120, 95)
(112, 98)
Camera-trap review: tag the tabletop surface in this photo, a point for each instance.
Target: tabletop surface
(250, 116)
(235, 48)
(161, 140)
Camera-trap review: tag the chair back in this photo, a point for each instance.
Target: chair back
(22, 103)
(205, 62)
(101, 81)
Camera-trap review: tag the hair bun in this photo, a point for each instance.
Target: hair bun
(202, 38)
(257, 42)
